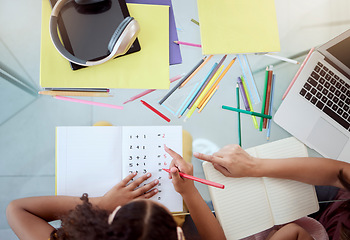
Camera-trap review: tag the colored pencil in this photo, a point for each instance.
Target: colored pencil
(247, 112)
(244, 97)
(219, 79)
(282, 58)
(194, 21)
(264, 98)
(181, 81)
(155, 111)
(188, 44)
(268, 94)
(239, 117)
(255, 122)
(270, 109)
(75, 94)
(187, 101)
(152, 90)
(194, 73)
(298, 72)
(203, 84)
(88, 102)
(208, 99)
(209, 79)
(204, 181)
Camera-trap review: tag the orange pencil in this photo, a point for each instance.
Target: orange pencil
(268, 94)
(218, 81)
(194, 73)
(208, 98)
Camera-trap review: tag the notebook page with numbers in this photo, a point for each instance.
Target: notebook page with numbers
(93, 159)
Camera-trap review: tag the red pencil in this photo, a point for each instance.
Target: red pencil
(156, 111)
(210, 183)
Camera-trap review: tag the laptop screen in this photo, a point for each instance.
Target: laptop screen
(341, 51)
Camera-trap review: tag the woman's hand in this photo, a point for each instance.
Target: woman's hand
(232, 161)
(178, 164)
(123, 192)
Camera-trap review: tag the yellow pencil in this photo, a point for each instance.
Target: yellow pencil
(208, 98)
(249, 103)
(206, 89)
(219, 79)
(75, 93)
(194, 73)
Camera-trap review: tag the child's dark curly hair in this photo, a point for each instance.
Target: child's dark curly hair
(136, 220)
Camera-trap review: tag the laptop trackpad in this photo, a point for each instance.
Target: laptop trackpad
(327, 139)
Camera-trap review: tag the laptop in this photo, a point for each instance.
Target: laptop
(317, 107)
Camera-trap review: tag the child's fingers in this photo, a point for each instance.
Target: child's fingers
(139, 180)
(149, 194)
(175, 175)
(127, 179)
(142, 190)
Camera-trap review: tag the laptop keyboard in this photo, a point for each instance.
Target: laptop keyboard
(329, 93)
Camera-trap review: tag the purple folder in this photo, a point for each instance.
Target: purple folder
(174, 49)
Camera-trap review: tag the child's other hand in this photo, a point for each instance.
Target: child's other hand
(178, 164)
(123, 192)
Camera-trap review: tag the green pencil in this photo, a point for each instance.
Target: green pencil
(264, 98)
(239, 117)
(247, 112)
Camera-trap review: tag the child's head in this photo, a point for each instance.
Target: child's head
(140, 219)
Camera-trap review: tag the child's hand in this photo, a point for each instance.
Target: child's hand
(123, 192)
(178, 164)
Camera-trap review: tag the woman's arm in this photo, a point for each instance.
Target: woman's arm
(207, 225)
(29, 217)
(233, 161)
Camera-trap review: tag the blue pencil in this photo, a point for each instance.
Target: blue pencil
(270, 108)
(187, 102)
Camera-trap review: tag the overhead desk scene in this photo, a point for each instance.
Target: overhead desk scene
(174, 119)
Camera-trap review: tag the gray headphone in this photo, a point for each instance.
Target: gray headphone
(121, 41)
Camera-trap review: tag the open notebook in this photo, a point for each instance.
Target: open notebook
(250, 205)
(94, 159)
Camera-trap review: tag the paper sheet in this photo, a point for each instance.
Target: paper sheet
(146, 69)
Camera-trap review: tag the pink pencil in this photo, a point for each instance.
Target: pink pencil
(298, 72)
(88, 102)
(210, 183)
(151, 90)
(188, 44)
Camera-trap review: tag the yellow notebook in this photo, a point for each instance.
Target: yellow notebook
(238, 26)
(146, 69)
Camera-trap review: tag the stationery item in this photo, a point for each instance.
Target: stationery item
(156, 111)
(239, 117)
(174, 49)
(282, 58)
(255, 122)
(94, 159)
(209, 183)
(188, 44)
(206, 89)
(75, 94)
(219, 79)
(316, 109)
(182, 80)
(268, 94)
(270, 108)
(250, 205)
(152, 90)
(249, 79)
(264, 98)
(194, 21)
(208, 99)
(78, 89)
(77, 41)
(247, 112)
(88, 102)
(244, 97)
(238, 26)
(202, 85)
(209, 78)
(298, 72)
(187, 102)
(126, 72)
(194, 73)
